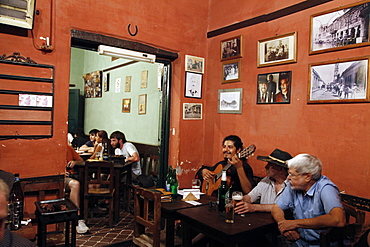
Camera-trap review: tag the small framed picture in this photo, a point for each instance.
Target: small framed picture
(230, 100)
(192, 111)
(144, 79)
(277, 50)
(126, 105)
(231, 48)
(194, 64)
(106, 82)
(340, 28)
(128, 84)
(230, 71)
(274, 88)
(142, 104)
(193, 85)
(339, 81)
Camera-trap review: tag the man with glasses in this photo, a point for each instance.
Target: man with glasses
(313, 199)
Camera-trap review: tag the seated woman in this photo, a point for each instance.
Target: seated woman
(101, 140)
(89, 145)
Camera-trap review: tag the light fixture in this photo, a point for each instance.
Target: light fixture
(124, 53)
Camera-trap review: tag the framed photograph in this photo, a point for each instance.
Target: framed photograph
(193, 85)
(339, 81)
(277, 50)
(144, 79)
(126, 105)
(230, 100)
(231, 48)
(93, 84)
(142, 104)
(106, 82)
(194, 64)
(191, 111)
(230, 71)
(128, 84)
(340, 28)
(274, 88)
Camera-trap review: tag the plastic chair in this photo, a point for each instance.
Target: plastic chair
(99, 173)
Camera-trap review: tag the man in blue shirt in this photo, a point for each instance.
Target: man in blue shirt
(313, 199)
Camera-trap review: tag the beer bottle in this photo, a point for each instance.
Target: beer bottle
(105, 151)
(16, 200)
(174, 184)
(223, 190)
(169, 179)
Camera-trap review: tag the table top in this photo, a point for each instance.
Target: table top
(179, 204)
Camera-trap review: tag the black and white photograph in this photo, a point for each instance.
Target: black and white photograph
(274, 88)
(340, 28)
(339, 81)
(230, 100)
(192, 111)
(231, 48)
(193, 85)
(277, 50)
(230, 71)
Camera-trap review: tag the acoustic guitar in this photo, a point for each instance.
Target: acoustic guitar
(210, 185)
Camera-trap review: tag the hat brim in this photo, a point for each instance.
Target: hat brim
(268, 159)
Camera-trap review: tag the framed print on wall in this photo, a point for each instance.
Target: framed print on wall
(194, 64)
(230, 100)
(339, 81)
(192, 111)
(274, 88)
(106, 82)
(142, 104)
(126, 105)
(231, 48)
(340, 28)
(193, 85)
(231, 71)
(144, 79)
(93, 84)
(276, 50)
(128, 84)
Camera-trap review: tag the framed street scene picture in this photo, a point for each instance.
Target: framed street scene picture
(142, 104)
(126, 105)
(339, 81)
(194, 64)
(231, 48)
(277, 50)
(193, 85)
(230, 100)
(192, 111)
(274, 88)
(340, 28)
(231, 71)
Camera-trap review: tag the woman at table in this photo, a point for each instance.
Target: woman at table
(101, 140)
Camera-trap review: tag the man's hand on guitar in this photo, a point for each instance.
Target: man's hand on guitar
(207, 174)
(235, 161)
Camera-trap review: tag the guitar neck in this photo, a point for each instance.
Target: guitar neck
(218, 175)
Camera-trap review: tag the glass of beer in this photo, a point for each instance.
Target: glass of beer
(237, 196)
(229, 206)
(195, 184)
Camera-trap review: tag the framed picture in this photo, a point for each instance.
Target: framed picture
(142, 104)
(193, 85)
(277, 50)
(339, 81)
(194, 64)
(230, 100)
(126, 105)
(230, 71)
(106, 82)
(231, 48)
(93, 84)
(144, 79)
(274, 88)
(340, 28)
(128, 84)
(192, 111)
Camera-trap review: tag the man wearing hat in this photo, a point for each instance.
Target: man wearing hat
(270, 187)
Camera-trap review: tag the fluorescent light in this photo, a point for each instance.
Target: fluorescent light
(124, 53)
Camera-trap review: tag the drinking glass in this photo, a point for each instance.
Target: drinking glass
(195, 184)
(237, 196)
(229, 207)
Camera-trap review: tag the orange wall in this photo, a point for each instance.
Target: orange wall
(337, 133)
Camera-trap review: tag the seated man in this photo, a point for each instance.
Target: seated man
(89, 145)
(314, 200)
(8, 238)
(268, 190)
(240, 173)
(73, 185)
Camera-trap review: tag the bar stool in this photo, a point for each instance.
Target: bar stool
(60, 210)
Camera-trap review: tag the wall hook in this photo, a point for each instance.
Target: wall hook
(129, 31)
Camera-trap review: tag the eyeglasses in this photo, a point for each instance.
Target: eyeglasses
(293, 175)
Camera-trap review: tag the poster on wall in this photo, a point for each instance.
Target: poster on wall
(144, 79)
(118, 85)
(93, 84)
(128, 84)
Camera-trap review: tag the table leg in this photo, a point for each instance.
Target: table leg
(41, 234)
(186, 234)
(170, 232)
(117, 195)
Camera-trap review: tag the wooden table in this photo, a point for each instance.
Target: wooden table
(169, 212)
(246, 229)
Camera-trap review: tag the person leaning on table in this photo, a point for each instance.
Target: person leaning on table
(314, 200)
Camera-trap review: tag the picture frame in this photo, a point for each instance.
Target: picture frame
(340, 28)
(230, 100)
(194, 64)
(142, 104)
(126, 105)
(128, 84)
(339, 81)
(93, 84)
(274, 88)
(144, 79)
(231, 48)
(106, 82)
(192, 111)
(193, 85)
(231, 71)
(277, 50)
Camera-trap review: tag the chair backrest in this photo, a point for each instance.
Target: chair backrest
(147, 213)
(99, 172)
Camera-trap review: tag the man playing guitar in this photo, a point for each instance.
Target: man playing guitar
(239, 174)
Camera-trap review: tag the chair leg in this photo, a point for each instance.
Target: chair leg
(111, 212)
(86, 209)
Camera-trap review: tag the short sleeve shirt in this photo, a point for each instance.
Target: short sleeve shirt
(265, 193)
(128, 150)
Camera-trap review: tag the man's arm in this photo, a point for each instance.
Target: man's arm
(278, 215)
(245, 207)
(244, 181)
(133, 158)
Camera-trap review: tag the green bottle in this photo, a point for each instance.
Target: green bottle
(223, 190)
(174, 184)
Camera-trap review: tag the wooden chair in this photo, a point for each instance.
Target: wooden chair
(99, 173)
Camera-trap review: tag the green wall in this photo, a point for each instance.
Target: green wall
(105, 113)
